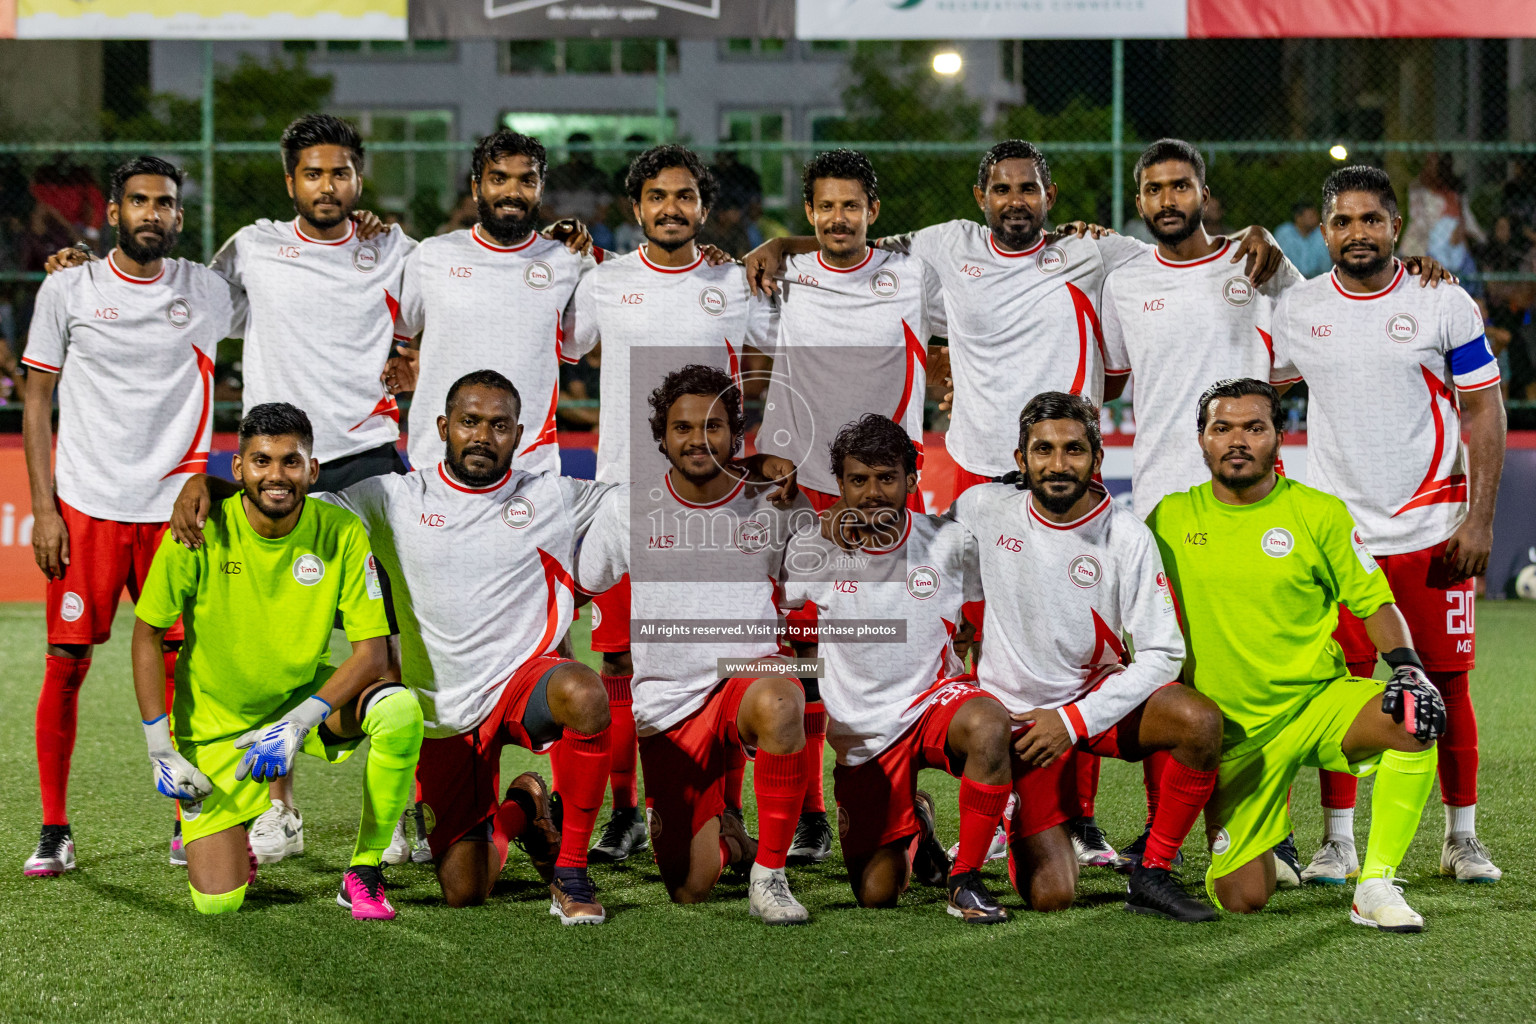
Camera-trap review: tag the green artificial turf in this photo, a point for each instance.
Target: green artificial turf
(117, 939)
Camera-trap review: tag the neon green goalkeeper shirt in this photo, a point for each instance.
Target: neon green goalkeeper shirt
(1258, 589)
(258, 612)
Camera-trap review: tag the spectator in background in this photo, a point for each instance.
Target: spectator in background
(463, 216)
(1301, 239)
(627, 236)
(578, 188)
(1520, 200)
(1440, 221)
(579, 383)
(69, 194)
(1215, 216)
(1507, 305)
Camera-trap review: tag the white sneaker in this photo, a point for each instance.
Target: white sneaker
(1379, 904)
(55, 853)
(1334, 863)
(769, 898)
(278, 833)
(399, 849)
(997, 851)
(1467, 858)
(421, 850)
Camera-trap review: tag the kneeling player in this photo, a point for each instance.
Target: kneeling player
(713, 549)
(253, 686)
(1067, 573)
(1261, 565)
(894, 707)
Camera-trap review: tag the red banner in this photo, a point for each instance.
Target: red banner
(1371, 19)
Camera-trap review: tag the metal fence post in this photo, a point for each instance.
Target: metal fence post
(1117, 138)
(661, 90)
(207, 141)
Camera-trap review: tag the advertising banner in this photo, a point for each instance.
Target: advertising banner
(553, 19)
(209, 19)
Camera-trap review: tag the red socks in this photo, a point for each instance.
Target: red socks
(1338, 790)
(1152, 770)
(778, 782)
(1182, 797)
(815, 746)
(1458, 745)
(626, 748)
(57, 705)
(1086, 766)
(981, 808)
(735, 776)
(582, 764)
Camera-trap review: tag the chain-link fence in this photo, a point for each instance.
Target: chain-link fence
(1454, 122)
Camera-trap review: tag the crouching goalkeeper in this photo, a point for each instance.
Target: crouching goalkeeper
(254, 685)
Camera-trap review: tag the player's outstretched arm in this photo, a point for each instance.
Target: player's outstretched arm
(193, 505)
(765, 264)
(1410, 697)
(572, 232)
(1466, 553)
(1262, 253)
(50, 539)
(74, 256)
(174, 775)
(1045, 740)
(401, 369)
(1429, 271)
(763, 470)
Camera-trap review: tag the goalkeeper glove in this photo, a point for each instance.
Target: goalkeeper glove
(1410, 698)
(272, 748)
(175, 776)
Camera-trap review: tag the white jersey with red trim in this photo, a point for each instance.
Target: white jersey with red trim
(711, 570)
(874, 689)
(1180, 327)
(1061, 601)
(850, 342)
(1019, 323)
(1383, 419)
(483, 306)
(135, 361)
(321, 325)
(480, 577)
(651, 320)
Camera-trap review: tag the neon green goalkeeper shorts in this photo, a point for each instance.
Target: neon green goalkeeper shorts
(238, 801)
(1249, 813)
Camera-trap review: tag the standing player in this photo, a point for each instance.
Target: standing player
(481, 554)
(1022, 319)
(651, 310)
(895, 707)
(1390, 369)
(854, 325)
(258, 598)
(1261, 565)
(702, 550)
(1069, 575)
(129, 341)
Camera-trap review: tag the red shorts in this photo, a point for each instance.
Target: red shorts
(685, 769)
(1048, 796)
(821, 500)
(459, 777)
(1439, 613)
(875, 799)
(610, 618)
(104, 557)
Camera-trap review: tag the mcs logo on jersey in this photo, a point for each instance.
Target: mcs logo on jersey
(1085, 571)
(1277, 542)
(923, 582)
(712, 301)
(1402, 328)
(178, 313)
(517, 512)
(365, 257)
(1238, 291)
(538, 275)
(308, 569)
(1051, 259)
(885, 284)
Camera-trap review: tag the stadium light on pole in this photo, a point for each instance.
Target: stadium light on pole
(1338, 152)
(947, 62)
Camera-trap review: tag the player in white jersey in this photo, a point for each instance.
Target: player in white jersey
(1069, 574)
(496, 295)
(704, 554)
(482, 553)
(895, 704)
(129, 342)
(653, 310)
(1395, 374)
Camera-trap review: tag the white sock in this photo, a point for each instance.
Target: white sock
(1461, 820)
(1339, 823)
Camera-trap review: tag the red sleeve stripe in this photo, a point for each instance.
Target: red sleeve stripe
(1288, 380)
(1076, 718)
(1470, 387)
(36, 365)
(1116, 373)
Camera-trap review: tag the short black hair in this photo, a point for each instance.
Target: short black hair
(697, 379)
(657, 159)
(874, 440)
(277, 419)
(504, 142)
(1058, 405)
(1012, 149)
(320, 130)
(1164, 150)
(842, 163)
(483, 379)
(143, 165)
(1301, 206)
(1237, 387)
(1360, 178)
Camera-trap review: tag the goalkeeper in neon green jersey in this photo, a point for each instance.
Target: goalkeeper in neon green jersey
(1259, 565)
(254, 685)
